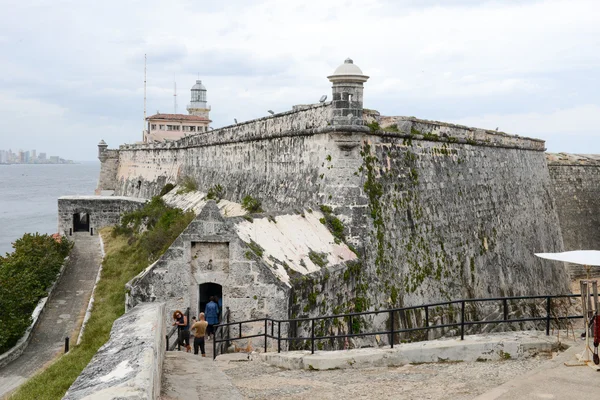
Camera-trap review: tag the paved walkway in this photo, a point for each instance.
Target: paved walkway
(187, 376)
(552, 380)
(62, 316)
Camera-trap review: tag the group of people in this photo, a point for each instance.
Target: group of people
(204, 326)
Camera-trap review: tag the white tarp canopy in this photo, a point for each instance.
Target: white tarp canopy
(583, 257)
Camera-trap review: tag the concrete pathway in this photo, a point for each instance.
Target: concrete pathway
(187, 376)
(62, 316)
(553, 380)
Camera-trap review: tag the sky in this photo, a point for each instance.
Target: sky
(72, 72)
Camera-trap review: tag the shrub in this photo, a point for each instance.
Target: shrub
(215, 193)
(251, 205)
(166, 189)
(25, 276)
(186, 185)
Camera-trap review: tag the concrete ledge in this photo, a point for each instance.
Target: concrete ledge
(18, 349)
(515, 345)
(130, 364)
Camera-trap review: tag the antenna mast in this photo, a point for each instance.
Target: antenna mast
(175, 97)
(144, 93)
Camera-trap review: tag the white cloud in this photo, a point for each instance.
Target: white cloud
(460, 60)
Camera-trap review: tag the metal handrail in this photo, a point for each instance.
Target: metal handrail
(392, 331)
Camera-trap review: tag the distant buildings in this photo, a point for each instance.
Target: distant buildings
(29, 157)
(161, 127)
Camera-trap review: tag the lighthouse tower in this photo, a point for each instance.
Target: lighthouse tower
(198, 104)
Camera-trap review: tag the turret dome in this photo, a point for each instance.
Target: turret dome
(348, 71)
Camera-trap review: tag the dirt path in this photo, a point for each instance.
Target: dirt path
(63, 314)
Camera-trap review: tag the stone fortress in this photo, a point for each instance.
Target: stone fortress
(362, 211)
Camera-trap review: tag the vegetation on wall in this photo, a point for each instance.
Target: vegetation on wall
(136, 243)
(187, 184)
(166, 189)
(251, 205)
(215, 193)
(26, 274)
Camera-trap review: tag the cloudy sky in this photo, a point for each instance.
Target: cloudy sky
(71, 72)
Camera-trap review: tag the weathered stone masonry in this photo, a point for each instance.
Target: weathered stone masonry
(437, 211)
(576, 190)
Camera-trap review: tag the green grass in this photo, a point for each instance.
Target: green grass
(109, 304)
(127, 254)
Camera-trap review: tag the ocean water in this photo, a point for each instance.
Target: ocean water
(29, 196)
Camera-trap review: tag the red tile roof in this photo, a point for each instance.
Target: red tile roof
(177, 117)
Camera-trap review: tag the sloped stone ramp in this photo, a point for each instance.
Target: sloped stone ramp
(189, 376)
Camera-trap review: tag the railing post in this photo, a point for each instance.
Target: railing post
(462, 320)
(167, 340)
(67, 344)
(266, 335)
(240, 331)
(214, 347)
(70, 231)
(427, 319)
(279, 336)
(91, 231)
(548, 305)
(312, 337)
(350, 320)
(227, 342)
(392, 328)
(505, 305)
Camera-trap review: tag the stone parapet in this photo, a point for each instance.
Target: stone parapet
(130, 364)
(411, 127)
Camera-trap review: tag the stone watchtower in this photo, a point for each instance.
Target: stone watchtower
(347, 102)
(101, 150)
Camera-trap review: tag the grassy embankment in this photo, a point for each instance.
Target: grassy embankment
(143, 236)
(26, 274)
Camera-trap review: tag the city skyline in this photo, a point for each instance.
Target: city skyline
(30, 157)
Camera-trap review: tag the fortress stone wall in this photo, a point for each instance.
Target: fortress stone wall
(436, 211)
(576, 187)
(102, 211)
(440, 211)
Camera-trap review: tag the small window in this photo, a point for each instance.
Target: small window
(162, 127)
(153, 127)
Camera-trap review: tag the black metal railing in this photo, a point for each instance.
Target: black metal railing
(392, 332)
(173, 331)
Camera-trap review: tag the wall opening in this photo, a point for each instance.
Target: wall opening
(206, 290)
(81, 222)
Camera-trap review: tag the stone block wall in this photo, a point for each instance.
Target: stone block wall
(249, 287)
(439, 211)
(103, 211)
(130, 364)
(576, 190)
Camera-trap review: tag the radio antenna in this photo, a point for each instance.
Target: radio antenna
(144, 93)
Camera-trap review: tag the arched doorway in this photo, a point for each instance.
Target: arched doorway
(206, 290)
(81, 222)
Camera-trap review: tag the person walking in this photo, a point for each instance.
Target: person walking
(199, 330)
(212, 316)
(183, 332)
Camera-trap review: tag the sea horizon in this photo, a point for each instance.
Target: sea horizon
(29, 199)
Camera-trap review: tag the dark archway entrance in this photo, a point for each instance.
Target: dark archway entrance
(206, 290)
(81, 222)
